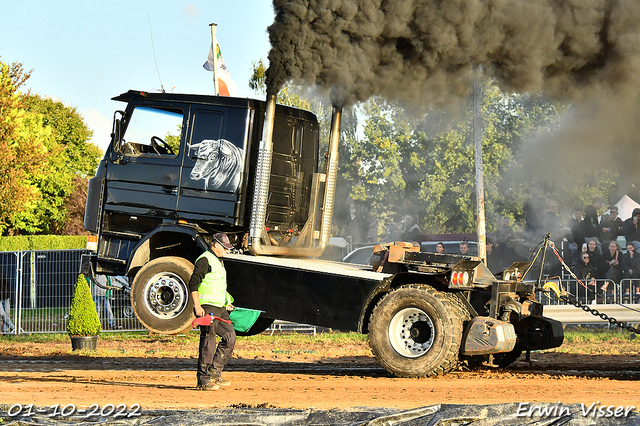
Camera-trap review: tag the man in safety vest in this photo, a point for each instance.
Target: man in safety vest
(208, 287)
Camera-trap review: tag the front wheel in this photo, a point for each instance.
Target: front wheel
(160, 295)
(415, 331)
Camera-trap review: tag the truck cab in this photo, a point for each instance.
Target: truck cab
(189, 160)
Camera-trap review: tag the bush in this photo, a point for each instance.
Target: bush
(43, 242)
(83, 317)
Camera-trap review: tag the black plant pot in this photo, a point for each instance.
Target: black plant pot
(84, 342)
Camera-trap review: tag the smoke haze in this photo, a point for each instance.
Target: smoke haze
(422, 50)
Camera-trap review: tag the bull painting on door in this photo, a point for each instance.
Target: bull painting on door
(214, 164)
(218, 164)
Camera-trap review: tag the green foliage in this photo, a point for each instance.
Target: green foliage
(286, 95)
(70, 156)
(23, 154)
(42, 242)
(424, 164)
(83, 317)
(45, 151)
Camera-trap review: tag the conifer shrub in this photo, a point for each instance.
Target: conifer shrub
(83, 317)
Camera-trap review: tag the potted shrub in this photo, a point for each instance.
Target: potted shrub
(83, 324)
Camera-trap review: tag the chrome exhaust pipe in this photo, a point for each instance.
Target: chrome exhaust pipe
(263, 172)
(257, 232)
(332, 175)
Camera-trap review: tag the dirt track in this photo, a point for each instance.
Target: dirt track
(297, 380)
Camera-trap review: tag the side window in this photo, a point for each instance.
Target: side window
(207, 126)
(218, 162)
(153, 131)
(285, 137)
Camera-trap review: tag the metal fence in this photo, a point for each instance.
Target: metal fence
(41, 286)
(42, 283)
(599, 292)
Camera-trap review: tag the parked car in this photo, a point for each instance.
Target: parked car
(360, 256)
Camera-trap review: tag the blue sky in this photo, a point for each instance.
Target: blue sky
(85, 52)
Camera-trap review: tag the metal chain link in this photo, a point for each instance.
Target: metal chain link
(568, 298)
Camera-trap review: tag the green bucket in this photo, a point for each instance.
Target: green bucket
(243, 318)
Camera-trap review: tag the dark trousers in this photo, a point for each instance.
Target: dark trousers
(211, 359)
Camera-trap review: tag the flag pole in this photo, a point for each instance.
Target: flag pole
(214, 46)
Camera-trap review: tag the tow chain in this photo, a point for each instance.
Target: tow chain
(568, 298)
(563, 295)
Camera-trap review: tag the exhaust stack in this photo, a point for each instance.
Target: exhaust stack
(259, 240)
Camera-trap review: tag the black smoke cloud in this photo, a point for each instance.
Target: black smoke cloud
(422, 50)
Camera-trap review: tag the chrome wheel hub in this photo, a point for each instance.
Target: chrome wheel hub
(166, 295)
(411, 332)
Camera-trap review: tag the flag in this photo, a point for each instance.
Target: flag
(226, 86)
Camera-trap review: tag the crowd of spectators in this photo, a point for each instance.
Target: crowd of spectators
(588, 242)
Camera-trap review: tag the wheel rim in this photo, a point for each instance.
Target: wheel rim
(165, 295)
(411, 332)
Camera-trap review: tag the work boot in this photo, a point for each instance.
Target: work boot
(210, 386)
(215, 371)
(220, 381)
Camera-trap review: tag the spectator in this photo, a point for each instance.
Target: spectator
(595, 258)
(534, 208)
(504, 234)
(585, 273)
(411, 231)
(591, 226)
(631, 262)
(493, 261)
(552, 225)
(393, 233)
(612, 268)
(5, 305)
(631, 230)
(101, 295)
(440, 248)
(610, 225)
(464, 248)
(575, 237)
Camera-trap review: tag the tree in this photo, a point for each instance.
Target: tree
(285, 96)
(71, 160)
(23, 155)
(424, 165)
(45, 148)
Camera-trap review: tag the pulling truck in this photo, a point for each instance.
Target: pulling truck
(181, 167)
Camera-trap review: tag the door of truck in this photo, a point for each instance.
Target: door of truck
(144, 173)
(214, 162)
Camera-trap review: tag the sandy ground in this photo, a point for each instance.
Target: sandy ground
(302, 381)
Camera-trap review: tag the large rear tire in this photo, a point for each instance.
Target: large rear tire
(415, 331)
(160, 295)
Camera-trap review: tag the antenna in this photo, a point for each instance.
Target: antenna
(154, 52)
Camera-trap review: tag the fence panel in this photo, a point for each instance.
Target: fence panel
(42, 283)
(590, 292)
(630, 290)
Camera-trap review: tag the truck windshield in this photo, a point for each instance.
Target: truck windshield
(153, 131)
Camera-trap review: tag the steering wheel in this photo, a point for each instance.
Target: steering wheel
(158, 145)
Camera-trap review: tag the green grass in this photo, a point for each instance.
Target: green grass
(333, 344)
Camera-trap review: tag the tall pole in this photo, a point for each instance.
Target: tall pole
(477, 137)
(214, 48)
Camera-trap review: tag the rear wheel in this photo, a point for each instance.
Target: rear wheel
(160, 295)
(415, 331)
